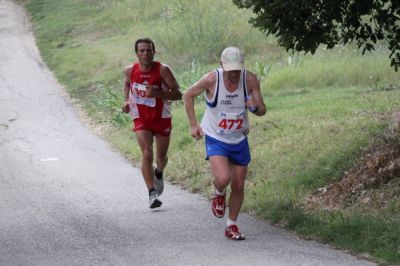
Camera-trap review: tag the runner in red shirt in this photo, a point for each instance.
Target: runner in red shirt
(148, 89)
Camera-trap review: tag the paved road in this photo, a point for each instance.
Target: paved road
(67, 199)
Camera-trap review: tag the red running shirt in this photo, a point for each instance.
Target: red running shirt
(143, 107)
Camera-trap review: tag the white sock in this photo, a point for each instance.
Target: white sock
(219, 193)
(229, 222)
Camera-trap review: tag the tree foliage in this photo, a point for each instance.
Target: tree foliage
(304, 25)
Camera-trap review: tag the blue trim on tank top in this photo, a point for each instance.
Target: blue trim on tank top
(214, 104)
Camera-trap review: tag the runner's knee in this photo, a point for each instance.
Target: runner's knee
(147, 155)
(222, 179)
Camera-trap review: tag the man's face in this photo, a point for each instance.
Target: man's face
(233, 75)
(145, 53)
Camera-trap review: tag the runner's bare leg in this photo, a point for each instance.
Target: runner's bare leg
(162, 144)
(237, 190)
(145, 140)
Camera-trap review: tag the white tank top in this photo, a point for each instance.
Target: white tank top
(225, 117)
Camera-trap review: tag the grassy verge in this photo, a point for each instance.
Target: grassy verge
(323, 109)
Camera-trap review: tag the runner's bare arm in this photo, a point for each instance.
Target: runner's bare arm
(168, 78)
(127, 81)
(256, 100)
(206, 83)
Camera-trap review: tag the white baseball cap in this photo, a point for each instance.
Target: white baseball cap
(232, 59)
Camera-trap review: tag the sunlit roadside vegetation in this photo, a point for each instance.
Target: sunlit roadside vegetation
(322, 108)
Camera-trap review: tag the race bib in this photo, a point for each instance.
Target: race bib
(229, 123)
(140, 96)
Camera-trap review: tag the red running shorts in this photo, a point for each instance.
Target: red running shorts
(162, 126)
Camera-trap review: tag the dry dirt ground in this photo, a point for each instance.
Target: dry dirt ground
(373, 183)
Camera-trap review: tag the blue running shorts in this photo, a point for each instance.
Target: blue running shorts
(238, 154)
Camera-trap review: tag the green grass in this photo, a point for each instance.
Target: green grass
(323, 110)
(343, 66)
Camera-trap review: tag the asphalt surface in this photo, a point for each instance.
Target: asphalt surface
(66, 198)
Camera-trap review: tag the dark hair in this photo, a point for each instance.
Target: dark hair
(145, 40)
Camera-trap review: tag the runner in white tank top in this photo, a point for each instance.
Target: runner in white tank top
(230, 93)
(225, 118)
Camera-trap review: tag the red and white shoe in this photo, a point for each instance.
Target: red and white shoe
(233, 233)
(218, 206)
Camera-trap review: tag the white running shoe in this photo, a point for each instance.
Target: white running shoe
(154, 201)
(158, 183)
